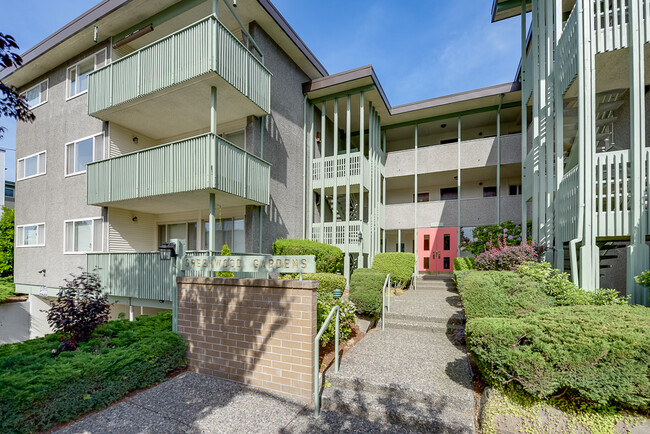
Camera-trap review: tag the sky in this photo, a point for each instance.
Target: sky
(419, 49)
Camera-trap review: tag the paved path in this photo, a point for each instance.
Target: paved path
(410, 375)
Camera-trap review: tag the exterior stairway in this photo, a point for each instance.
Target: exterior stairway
(410, 376)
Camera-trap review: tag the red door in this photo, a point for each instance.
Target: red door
(437, 249)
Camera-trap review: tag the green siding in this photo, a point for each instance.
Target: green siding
(203, 47)
(179, 167)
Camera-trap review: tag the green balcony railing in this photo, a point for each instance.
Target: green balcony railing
(203, 47)
(198, 163)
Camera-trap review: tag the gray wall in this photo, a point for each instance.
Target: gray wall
(24, 320)
(53, 198)
(283, 148)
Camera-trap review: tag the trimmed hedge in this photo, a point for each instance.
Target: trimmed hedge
(365, 290)
(462, 263)
(38, 390)
(399, 265)
(597, 353)
(459, 279)
(328, 282)
(329, 259)
(501, 294)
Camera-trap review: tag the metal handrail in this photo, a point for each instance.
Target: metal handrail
(383, 300)
(414, 277)
(317, 353)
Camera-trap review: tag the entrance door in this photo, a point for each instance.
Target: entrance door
(437, 249)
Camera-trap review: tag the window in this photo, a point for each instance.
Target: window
(426, 244)
(426, 263)
(399, 247)
(32, 235)
(238, 138)
(227, 231)
(450, 193)
(33, 165)
(446, 240)
(78, 73)
(36, 95)
(515, 190)
(83, 235)
(490, 191)
(82, 152)
(446, 263)
(422, 197)
(9, 192)
(185, 232)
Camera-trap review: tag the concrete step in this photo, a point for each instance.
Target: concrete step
(423, 326)
(394, 407)
(456, 319)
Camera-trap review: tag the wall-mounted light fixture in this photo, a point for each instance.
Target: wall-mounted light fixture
(234, 3)
(135, 140)
(167, 251)
(134, 219)
(443, 125)
(95, 34)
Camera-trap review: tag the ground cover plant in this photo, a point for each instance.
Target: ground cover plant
(38, 390)
(7, 288)
(329, 259)
(365, 291)
(399, 265)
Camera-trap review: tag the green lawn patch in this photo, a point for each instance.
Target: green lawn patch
(38, 390)
(7, 288)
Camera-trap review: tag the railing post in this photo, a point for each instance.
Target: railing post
(177, 270)
(336, 344)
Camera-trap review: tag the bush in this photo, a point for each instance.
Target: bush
(501, 294)
(597, 353)
(643, 279)
(566, 293)
(399, 265)
(483, 236)
(459, 279)
(38, 390)
(365, 290)
(79, 309)
(325, 303)
(7, 288)
(225, 251)
(462, 263)
(329, 259)
(328, 282)
(7, 242)
(505, 257)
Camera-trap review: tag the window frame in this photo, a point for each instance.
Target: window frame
(75, 66)
(37, 163)
(74, 143)
(47, 92)
(22, 241)
(92, 238)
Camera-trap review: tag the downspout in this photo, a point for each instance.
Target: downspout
(304, 166)
(578, 239)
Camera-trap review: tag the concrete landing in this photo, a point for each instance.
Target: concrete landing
(410, 375)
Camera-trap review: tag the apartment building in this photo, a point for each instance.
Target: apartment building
(201, 121)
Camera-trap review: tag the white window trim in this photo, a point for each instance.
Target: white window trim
(23, 240)
(74, 142)
(67, 74)
(30, 156)
(92, 238)
(47, 92)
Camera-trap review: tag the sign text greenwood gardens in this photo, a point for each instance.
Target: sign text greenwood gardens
(250, 264)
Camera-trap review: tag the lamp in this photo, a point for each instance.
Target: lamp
(234, 3)
(337, 293)
(167, 251)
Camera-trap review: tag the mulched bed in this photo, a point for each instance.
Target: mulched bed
(326, 354)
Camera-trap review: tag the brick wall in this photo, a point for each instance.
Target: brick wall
(253, 331)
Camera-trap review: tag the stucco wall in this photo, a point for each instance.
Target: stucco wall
(24, 320)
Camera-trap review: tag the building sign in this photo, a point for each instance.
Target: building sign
(250, 264)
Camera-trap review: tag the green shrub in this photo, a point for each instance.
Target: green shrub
(328, 282)
(501, 294)
(38, 390)
(225, 251)
(325, 303)
(399, 265)
(483, 235)
(7, 288)
(459, 279)
(597, 353)
(462, 263)
(365, 290)
(329, 259)
(643, 279)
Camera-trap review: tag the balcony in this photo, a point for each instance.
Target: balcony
(334, 234)
(334, 170)
(182, 173)
(163, 89)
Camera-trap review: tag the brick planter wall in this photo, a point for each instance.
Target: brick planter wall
(254, 331)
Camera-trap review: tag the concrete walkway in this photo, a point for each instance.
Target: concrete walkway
(410, 375)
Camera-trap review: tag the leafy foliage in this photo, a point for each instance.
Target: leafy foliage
(502, 294)
(399, 265)
(462, 263)
(597, 353)
(38, 390)
(12, 104)
(507, 257)
(365, 290)
(79, 309)
(7, 242)
(459, 279)
(225, 251)
(325, 303)
(643, 279)
(329, 259)
(482, 236)
(7, 288)
(328, 282)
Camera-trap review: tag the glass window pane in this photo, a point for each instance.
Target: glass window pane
(191, 236)
(72, 74)
(99, 148)
(31, 166)
(237, 138)
(97, 235)
(227, 233)
(83, 154)
(33, 96)
(83, 236)
(83, 69)
(239, 244)
(30, 235)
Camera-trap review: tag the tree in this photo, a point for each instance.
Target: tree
(12, 104)
(225, 251)
(7, 242)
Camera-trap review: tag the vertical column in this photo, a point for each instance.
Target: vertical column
(335, 199)
(498, 162)
(383, 200)
(458, 180)
(323, 152)
(637, 251)
(559, 140)
(213, 157)
(362, 126)
(348, 118)
(538, 160)
(399, 240)
(305, 170)
(371, 198)
(415, 207)
(549, 133)
(524, 125)
(310, 164)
